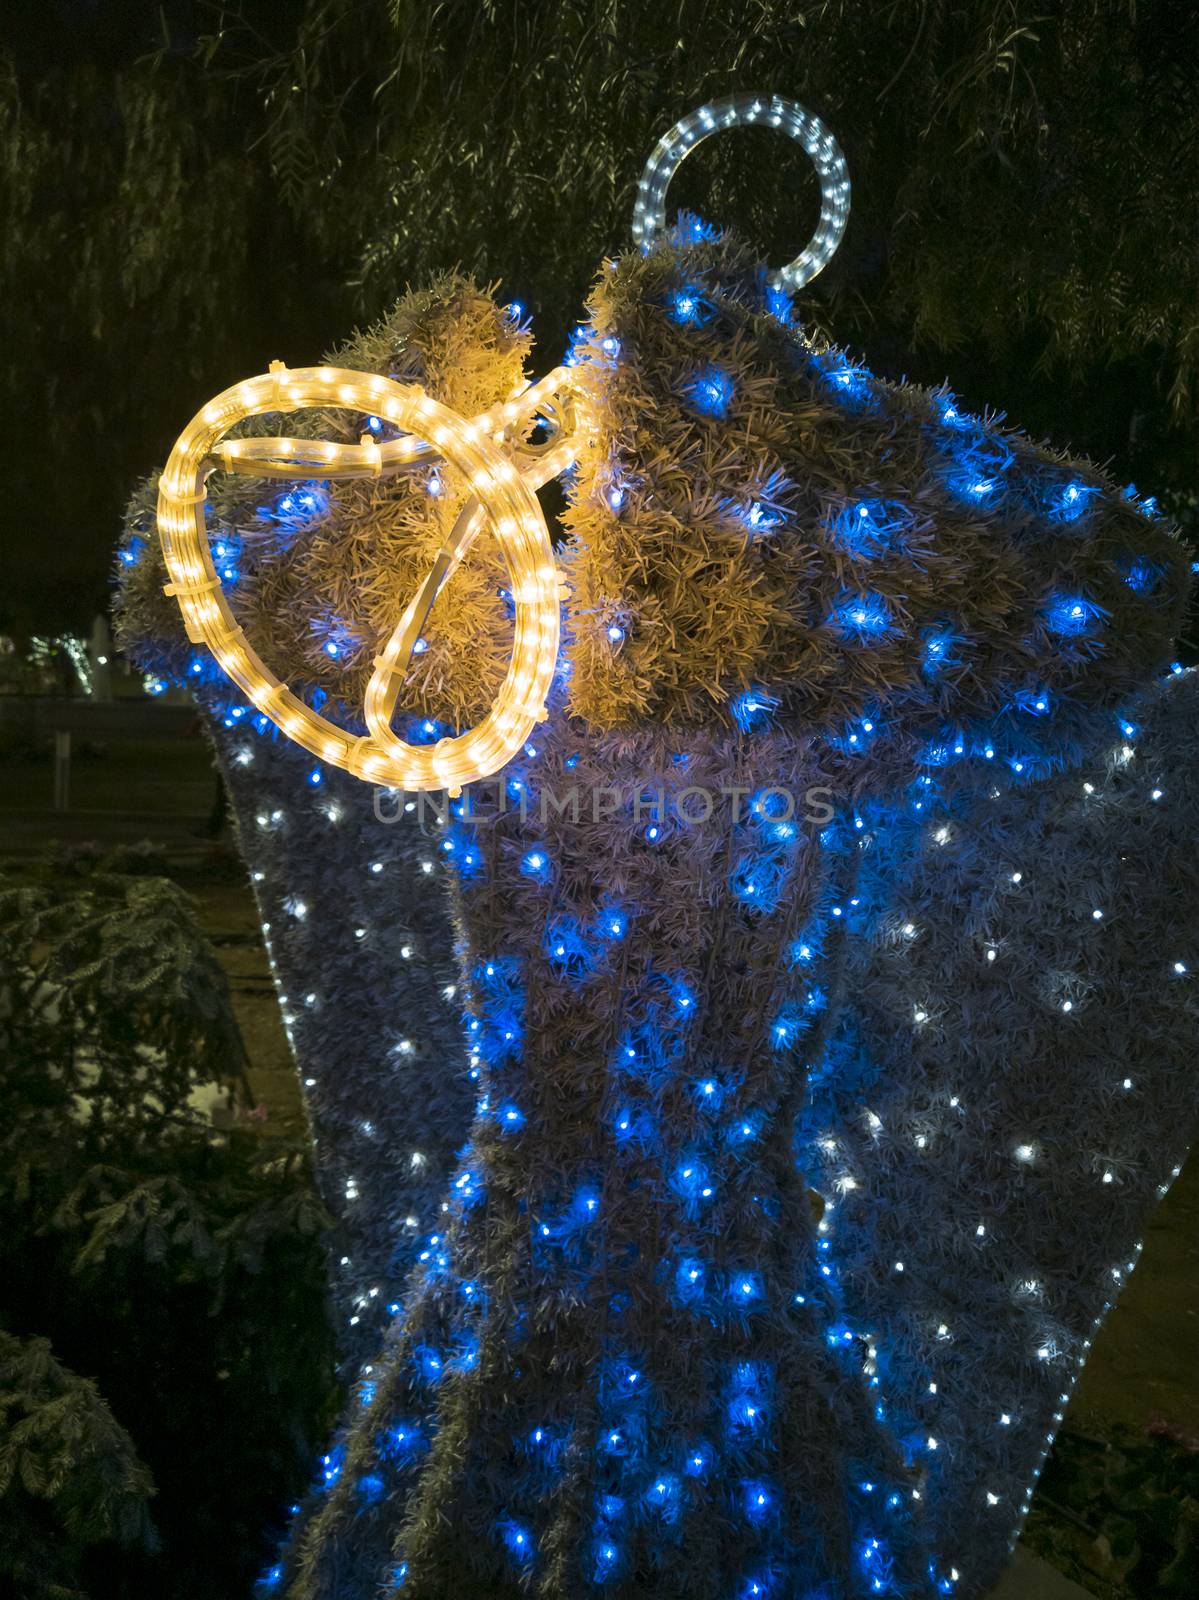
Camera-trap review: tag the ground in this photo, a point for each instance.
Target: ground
(1143, 1363)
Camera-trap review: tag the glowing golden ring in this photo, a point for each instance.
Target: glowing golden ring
(501, 494)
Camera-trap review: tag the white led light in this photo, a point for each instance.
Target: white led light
(744, 111)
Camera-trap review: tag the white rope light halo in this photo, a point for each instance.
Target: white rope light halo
(752, 111)
(504, 497)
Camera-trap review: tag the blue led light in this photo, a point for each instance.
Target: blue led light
(692, 1182)
(937, 650)
(297, 508)
(759, 519)
(863, 618)
(225, 553)
(875, 1565)
(974, 464)
(631, 1126)
(607, 1557)
(683, 997)
(1141, 575)
(689, 229)
(779, 304)
(400, 1441)
(710, 391)
(746, 1413)
(752, 707)
(1147, 505)
(688, 307)
(689, 1280)
(757, 1588)
(745, 1288)
(566, 949)
(519, 1541)
(1034, 701)
(867, 527)
(663, 1494)
(758, 881)
(848, 384)
(576, 346)
(1072, 615)
(757, 1500)
(466, 1353)
(1067, 502)
(745, 1128)
(630, 1380)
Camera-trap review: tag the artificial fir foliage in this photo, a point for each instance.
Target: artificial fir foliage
(362, 953)
(319, 573)
(829, 970)
(354, 915)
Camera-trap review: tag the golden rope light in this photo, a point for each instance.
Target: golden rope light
(502, 495)
(503, 472)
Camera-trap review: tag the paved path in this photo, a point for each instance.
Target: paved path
(1030, 1578)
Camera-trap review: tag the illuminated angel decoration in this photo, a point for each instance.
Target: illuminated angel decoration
(852, 856)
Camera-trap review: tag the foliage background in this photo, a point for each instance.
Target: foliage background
(165, 1355)
(189, 192)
